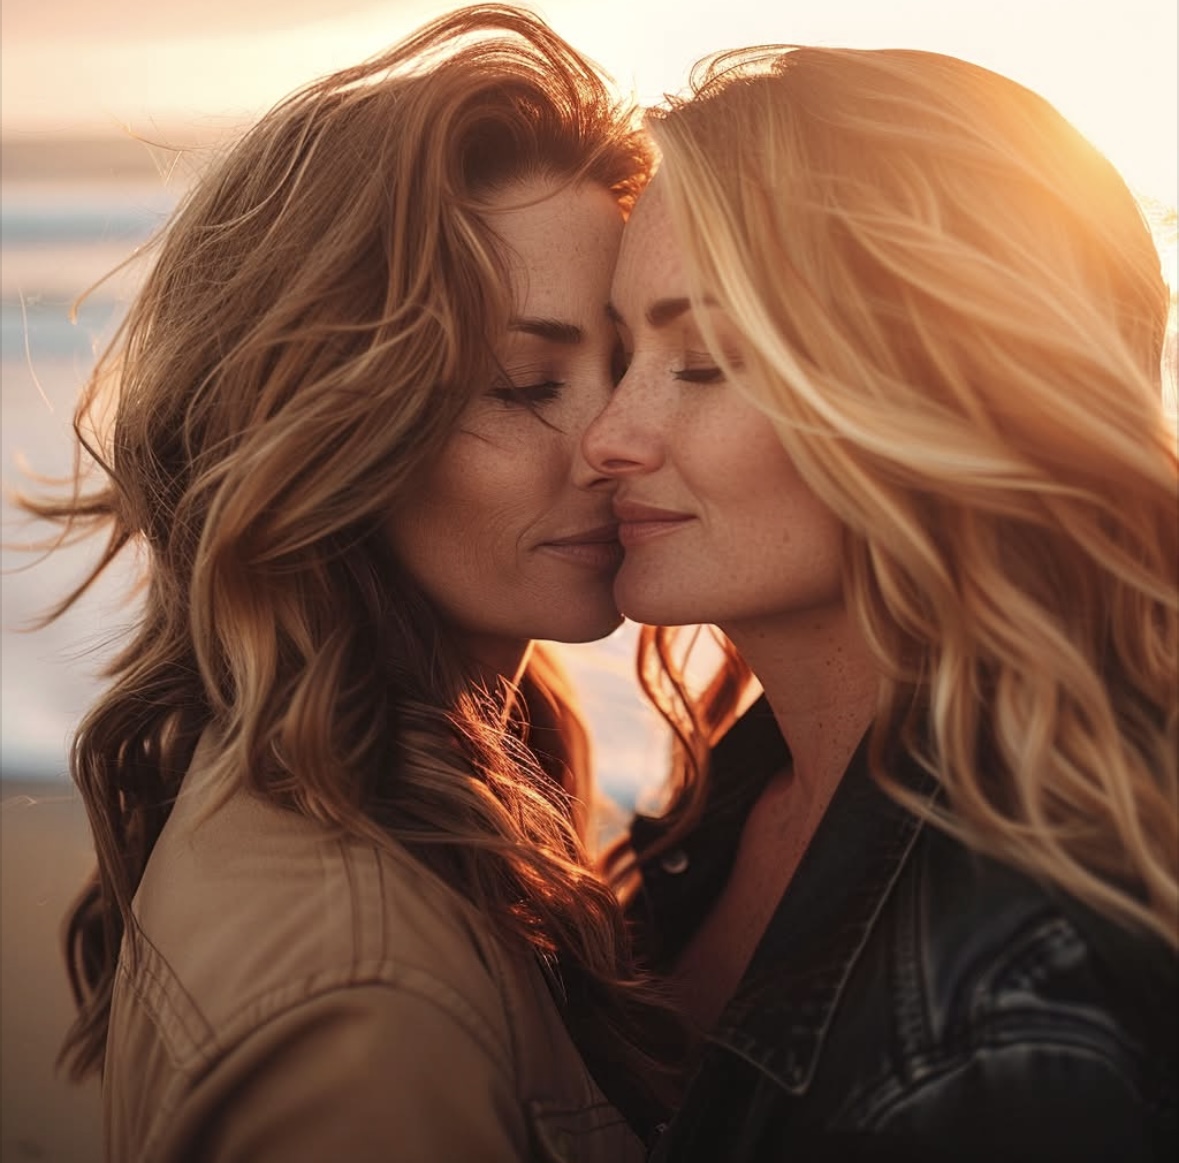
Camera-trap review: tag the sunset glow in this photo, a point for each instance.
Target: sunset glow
(1109, 65)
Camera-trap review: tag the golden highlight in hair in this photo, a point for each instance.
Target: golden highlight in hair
(953, 312)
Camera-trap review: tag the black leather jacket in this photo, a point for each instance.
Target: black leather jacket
(911, 1000)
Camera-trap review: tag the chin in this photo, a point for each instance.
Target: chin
(585, 629)
(579, 618)
(656, 605)
(573, 613)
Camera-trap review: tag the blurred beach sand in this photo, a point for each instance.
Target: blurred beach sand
(45, 855)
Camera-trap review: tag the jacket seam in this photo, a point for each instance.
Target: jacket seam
(390, 976)
(158, 1002)
(1043, 946)
(802, 1061)
(182, 1077)
(353, 902)
(913, 1025)
(234, 1029)
(186, 1077)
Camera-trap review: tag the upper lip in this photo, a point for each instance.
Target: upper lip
(633, 512)
(599, 534)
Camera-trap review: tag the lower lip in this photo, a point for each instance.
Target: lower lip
(638, 532)
(591, 554)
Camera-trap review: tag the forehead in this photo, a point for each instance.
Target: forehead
(650, 263)
(562, 243)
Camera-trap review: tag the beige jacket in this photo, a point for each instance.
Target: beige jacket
(302, 999)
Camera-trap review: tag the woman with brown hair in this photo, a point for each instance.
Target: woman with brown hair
(893, 423)
(342, 908)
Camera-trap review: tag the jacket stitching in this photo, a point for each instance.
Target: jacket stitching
(1041, 956)
(911, 1015)
(160, 1004)
(795, 1071)
(353, 901)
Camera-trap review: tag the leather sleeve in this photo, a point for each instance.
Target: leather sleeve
(363, 1074)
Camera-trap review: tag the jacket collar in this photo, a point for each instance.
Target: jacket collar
(781, 1014)
(681, 885)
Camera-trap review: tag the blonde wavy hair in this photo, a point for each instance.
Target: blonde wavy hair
(320, 309)
(953, 312)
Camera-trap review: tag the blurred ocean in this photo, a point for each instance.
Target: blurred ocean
(59, 238)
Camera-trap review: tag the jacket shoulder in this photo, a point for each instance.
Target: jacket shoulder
(987, 945)
(247, 910)
(1018, 1016)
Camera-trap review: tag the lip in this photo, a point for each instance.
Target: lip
(641, 523)
(597, 548)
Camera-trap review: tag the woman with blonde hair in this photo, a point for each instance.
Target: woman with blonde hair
(893, 422)
(343, 907)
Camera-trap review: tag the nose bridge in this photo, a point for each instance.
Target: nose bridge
(625, 438)
(591, 406)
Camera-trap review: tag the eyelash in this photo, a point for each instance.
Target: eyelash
(528, 395)
(699, 375)
(699, 369)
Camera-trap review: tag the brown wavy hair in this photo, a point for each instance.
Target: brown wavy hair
(953, 312)
(320, 309)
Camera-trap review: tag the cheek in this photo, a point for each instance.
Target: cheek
(797, 536)
(781, 500)
(733, 458)
(777, 534)
(505, 486)
(476, 502)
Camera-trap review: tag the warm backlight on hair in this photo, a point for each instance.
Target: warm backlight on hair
(1109, 65)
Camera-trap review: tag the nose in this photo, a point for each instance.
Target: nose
(623, 440)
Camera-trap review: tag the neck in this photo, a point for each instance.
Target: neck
(821, 682)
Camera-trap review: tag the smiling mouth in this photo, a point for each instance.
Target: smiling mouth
(639, 522)
(632, 533)
(597, 549)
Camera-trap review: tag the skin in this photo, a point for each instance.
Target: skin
(509, 531)
(744, 544)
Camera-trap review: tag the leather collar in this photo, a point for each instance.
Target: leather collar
(782, 1011)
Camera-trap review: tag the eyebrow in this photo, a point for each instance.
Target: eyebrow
(658, 314)
(665, 311)
(554, 330)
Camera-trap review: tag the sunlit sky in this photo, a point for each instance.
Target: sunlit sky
(1109, 65)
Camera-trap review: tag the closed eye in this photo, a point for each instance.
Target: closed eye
(700, 367)
(527, 395)
(699, 375)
